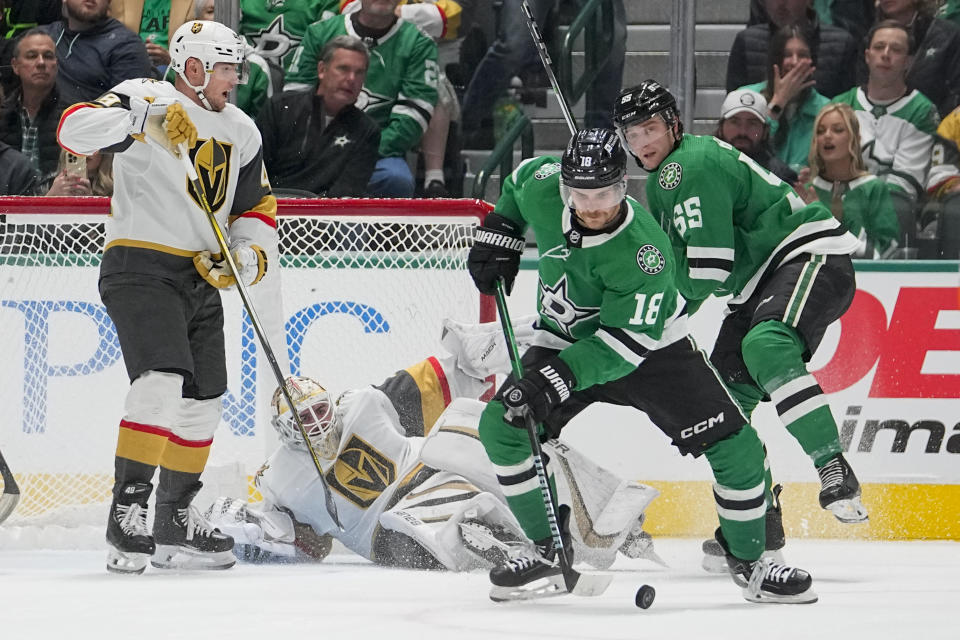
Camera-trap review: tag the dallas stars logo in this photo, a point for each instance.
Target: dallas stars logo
(650, 259)
(557, 305)
(274, 41)
(670, 176)
(341, 141)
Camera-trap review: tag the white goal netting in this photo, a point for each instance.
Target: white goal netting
(365, 283)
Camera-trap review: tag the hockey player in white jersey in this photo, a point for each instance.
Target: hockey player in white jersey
(160, 278)
(412, 485)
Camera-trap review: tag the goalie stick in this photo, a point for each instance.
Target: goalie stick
(257, 327)
(11, 492)
(580, 584)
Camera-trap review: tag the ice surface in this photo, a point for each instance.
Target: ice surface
(868, 591)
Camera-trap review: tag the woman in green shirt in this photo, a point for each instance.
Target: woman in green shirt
(792, 99)
(857, 198)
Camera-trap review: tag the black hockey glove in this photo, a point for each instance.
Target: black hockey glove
(538, 392)
(495, 254)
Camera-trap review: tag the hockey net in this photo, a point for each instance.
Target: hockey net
(365, 285)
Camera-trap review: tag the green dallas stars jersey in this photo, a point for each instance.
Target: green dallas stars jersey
(731, 222)
(896, 139)
(605, 299)
(868, 213)
(400, 90)
(275, 27)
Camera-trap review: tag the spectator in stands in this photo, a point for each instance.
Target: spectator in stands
(853, 16)
(400, 89)
(743, 124)
(17, 177)
(514, 51)
(154, 21)
(896, 123)
(439, 19)
(95, 52)
(97, 178)
(950, 11)
(935, 71)
(841, 181)
(833, 50)
(30, 114)
(950, 126)
(792, 101)
(318, 140)
(275, 29)
(17, 17)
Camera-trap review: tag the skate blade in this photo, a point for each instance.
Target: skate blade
(123, 562)
(182, 558)
(807, 597)
(849, 511)
(536, 590)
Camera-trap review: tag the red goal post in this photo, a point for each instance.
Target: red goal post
(365, 285)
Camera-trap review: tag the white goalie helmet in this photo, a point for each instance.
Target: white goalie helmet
(317, 412)
(209, 42)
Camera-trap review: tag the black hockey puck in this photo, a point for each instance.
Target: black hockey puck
(645, 596)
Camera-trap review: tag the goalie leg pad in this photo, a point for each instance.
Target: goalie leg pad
(432, 514)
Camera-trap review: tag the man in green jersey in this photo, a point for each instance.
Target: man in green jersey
(736, 229)
(611, 328)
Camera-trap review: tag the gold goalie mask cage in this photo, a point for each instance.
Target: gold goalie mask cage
(317, 412)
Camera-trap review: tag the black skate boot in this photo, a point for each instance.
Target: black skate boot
(533, 574)
(715, 558)
(187, 540)
(127, 534)
(840, 491)
(768, 581)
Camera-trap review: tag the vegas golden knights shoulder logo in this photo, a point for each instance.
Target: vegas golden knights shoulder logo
(195, 27)
(211, 158)
(361, 473)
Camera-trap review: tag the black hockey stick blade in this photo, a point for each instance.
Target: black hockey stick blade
(11, 492)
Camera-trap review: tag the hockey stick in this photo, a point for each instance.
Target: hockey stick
(581, 584)
(257, 326)
(11, 492)
(548, 66)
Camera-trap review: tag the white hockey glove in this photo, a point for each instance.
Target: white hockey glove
(480, 348)
(163, 120)
(250, 259)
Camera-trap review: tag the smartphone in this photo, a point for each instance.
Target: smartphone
(76, 165)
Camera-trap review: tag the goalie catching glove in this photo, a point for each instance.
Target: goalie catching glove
(250, 259)
(538, 392)
(495, 254)
(163, 120)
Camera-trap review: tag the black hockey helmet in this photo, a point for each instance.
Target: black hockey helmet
(593, 159)
(644, 101)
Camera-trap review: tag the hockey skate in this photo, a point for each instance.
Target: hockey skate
(768, 581)
(840, 491)
(187, 540)
(127, 533)
(533, 574)
(715, 558)
(491, 542)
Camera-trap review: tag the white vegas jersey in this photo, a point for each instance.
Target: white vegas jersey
(364, 479)
(153, 206)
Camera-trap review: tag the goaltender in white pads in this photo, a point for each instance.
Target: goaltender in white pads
(416, 493)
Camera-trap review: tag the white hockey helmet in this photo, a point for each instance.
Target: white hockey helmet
(209, 42)
(317, 412)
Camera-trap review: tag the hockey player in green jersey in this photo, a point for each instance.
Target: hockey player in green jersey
(736, 229)
(611, 328)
